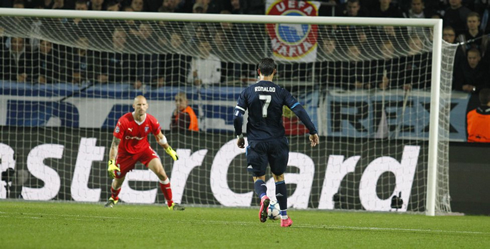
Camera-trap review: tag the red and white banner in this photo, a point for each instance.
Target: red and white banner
(293, 42)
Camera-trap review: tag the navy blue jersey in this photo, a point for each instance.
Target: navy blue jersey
(264, 101)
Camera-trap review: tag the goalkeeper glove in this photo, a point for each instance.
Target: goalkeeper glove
(171, 152)
(112, 168)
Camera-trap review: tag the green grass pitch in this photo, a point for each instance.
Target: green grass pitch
(74, 225)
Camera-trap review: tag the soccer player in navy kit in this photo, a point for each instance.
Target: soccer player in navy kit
(267, 143)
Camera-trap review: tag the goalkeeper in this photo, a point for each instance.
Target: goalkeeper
(130, 145)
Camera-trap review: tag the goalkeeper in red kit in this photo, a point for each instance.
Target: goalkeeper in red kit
(130, 145)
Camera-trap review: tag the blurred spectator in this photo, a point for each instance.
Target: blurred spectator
(354, 74)
(352, 8)
(18, 4)
(198, 8)
(59, 4)
(47, 68)
(472, 76)
(81, 5)
(292, 124)
(77, 24)
(169, 6)
(174, 65)
(16, 60)
(478, 120)
(117, 66)
(96, 5)
(328, 63)
(417, 65)
(206, 67)
(226, 49)
(35, 26)
(81, 62)
(138, 5)
(148, 62)
(113, 6)
(417, 10)
(473, 35)
(183, 117)
(211, 6)
(236, 6)
(387, 72)
(131, 26)
(351, 33)
(195, 32)
(456, 15)
(449, 35)
(385, 9)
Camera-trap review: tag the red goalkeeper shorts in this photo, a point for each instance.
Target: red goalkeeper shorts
(126, 161)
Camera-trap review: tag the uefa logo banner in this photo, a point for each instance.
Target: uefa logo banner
(293, 42)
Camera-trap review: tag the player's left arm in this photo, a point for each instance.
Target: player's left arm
(301, 113)
(162, 141)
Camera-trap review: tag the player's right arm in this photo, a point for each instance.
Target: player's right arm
(238, 119)
(116, 140)
(111, 165)
(114, 148)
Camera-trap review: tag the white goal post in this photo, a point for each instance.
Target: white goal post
(437, 156)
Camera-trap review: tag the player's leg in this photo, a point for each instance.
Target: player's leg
(156, 166)
(257, 163)
(278, 160)
(115, 190)
(125, 164)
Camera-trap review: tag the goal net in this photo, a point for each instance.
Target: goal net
(379, 96)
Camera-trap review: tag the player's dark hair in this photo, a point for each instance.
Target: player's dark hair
(484, 96)
(267, 66)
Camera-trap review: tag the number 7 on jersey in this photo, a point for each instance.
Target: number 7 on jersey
(267, 100)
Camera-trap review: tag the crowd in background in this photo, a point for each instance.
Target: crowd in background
(38, 61)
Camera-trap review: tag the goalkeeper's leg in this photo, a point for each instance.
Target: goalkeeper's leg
(156, 166)
(115, 190)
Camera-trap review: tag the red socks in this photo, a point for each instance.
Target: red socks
(167, 192)
(115, 193)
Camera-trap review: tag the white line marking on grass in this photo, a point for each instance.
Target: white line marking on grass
(389, 229)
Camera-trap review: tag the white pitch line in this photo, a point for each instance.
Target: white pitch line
(390, 229)
(242, 223)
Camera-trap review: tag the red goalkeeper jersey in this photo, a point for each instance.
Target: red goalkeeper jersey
(133, 135)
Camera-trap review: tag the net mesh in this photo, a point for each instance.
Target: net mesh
(367, 88)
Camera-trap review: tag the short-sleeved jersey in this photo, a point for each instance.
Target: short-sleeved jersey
(134, 136)
(264, 101)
